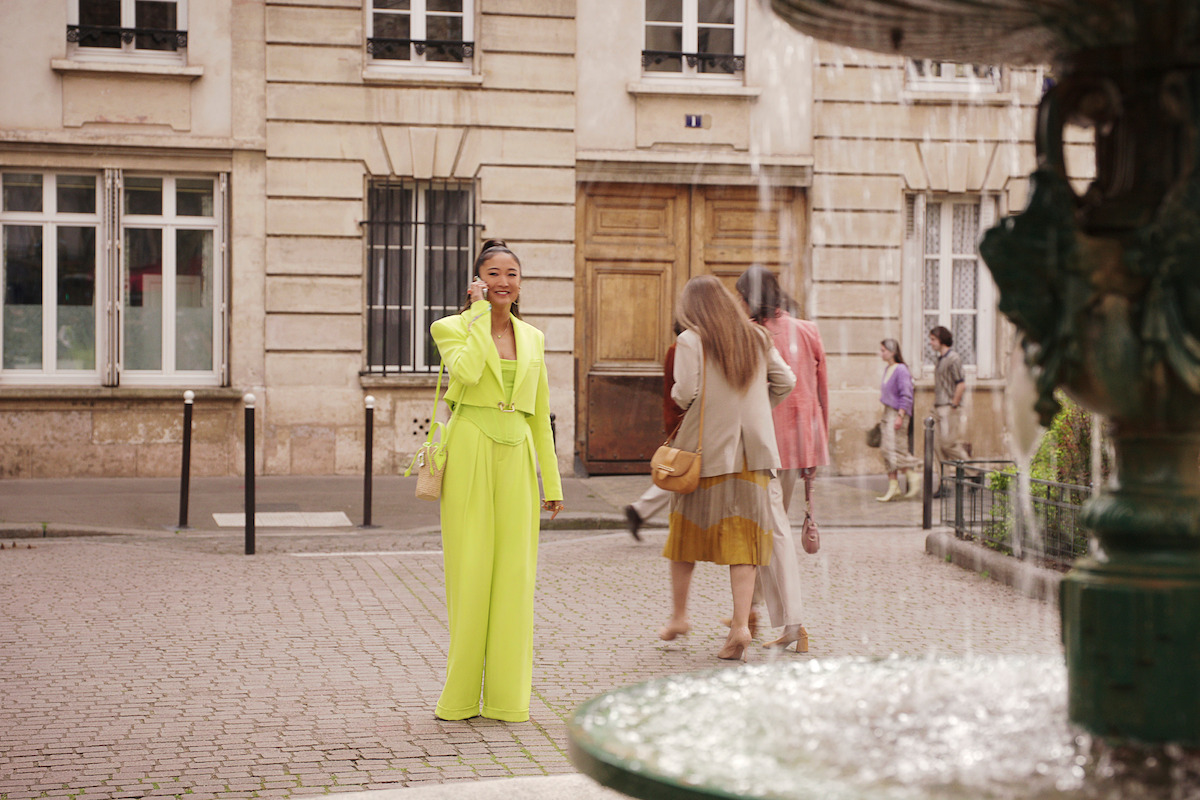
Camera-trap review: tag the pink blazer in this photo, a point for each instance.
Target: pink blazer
(802, 419)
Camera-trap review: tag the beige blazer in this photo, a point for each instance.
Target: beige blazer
(738, 428)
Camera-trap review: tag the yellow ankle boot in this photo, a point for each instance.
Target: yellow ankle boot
(892, 493)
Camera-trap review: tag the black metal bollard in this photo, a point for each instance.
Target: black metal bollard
(927, 495)
(249, 426)
(368, 467)
(185, 471)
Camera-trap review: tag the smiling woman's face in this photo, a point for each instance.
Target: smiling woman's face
(502, 274)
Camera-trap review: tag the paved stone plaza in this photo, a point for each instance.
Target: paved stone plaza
(160, 664)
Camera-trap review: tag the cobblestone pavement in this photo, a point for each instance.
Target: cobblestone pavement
(163, 664)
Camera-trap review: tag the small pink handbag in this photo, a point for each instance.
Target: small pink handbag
(810, 535)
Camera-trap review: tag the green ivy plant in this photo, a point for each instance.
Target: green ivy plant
(1064, 456)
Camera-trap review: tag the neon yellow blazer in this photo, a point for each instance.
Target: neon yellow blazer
(465, 343)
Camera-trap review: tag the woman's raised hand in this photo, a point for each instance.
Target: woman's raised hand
(477, 290)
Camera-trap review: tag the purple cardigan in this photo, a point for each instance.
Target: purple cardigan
(898, 391)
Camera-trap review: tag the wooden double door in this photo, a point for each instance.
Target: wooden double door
(636, 247)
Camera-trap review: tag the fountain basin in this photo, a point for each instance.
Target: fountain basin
(985, 728)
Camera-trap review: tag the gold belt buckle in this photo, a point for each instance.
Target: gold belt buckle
(511, 408)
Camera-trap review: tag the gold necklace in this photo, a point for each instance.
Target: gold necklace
(500, 335)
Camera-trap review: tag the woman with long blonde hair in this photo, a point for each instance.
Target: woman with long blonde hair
(728, 372)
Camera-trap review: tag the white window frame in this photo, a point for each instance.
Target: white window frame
(128, 52)
(917, 327)
(962, 78)
(691, 38)
(417, 62)
(49, 221)
(169, 221)
(110, 279)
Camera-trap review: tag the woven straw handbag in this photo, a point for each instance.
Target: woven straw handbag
(679, 470)
(430, 459)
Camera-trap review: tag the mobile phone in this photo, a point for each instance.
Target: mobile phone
(484, 288)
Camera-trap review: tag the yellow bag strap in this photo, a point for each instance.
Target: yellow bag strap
(703, 381)
(433, 423)
(433, 414)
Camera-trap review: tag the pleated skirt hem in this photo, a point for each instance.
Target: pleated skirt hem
(727, 520)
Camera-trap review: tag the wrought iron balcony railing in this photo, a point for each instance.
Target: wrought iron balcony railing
(109, 35)
(712, 62)
(437, 49)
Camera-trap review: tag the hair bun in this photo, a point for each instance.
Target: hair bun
(491, 243)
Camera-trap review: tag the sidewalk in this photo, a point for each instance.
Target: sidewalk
(150, 663)
(90, 506)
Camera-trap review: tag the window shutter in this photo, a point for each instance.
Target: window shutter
(987, 323)
(223, 268)
(112, 270)
(913, 267)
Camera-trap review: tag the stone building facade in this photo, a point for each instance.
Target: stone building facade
(914, 160)
(125, 269)
(278, 196)
(355, 155)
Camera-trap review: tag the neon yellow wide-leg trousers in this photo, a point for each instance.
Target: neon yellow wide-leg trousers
(490, 526)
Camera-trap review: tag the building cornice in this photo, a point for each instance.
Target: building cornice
(691, 167)
(126, 143)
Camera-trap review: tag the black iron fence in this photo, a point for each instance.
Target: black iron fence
(983, 500)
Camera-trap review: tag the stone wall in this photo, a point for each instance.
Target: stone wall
(59, 112)
(334, 123)
(875, 142)
(68, 434)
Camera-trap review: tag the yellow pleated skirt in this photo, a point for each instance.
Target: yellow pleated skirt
(727, 520)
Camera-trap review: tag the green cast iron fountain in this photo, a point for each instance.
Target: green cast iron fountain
(1105, 290)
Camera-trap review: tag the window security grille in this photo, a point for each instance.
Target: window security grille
(694, 37)
(420, 249)
(128, 25)
(422, 33)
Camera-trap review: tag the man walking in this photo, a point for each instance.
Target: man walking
(949, 386)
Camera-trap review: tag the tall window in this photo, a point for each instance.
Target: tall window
(420, 248)
(169, 271)
(433, 33)
(147, 29)
(927, 75)
(694, 37)
(79, 308)
(956, 289)
(50, 230)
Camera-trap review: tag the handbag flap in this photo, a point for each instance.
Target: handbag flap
(672, 460)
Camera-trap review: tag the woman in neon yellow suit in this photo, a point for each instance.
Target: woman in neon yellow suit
(500, 395)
